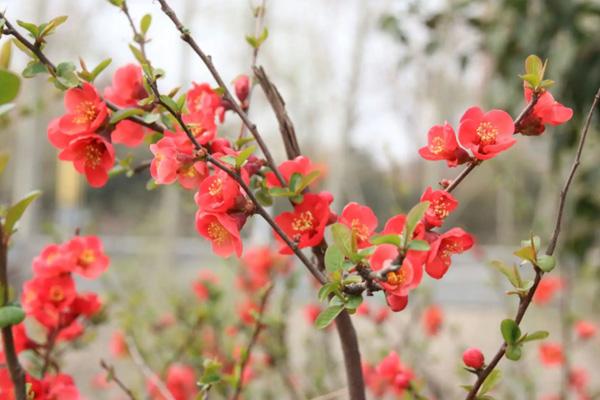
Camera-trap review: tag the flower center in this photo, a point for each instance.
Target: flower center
(437, 145)
(93, 155)
(85, 112)
(217, 233)
(449, 248)
(487, 132)
(87, 257)
(440, 209)
(56, 294)
(396, 278)
(216, 187)
(359, 230)
(303, 222)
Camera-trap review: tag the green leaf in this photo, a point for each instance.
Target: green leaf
(512, 274)
(526, 253)
(33, 68)
(327, 289)
(386, 239)
(491, 381)
(418, 245)
(5, 54)
(124, 113)
(117, 3)
(533, 65)
(11, 315)
(242, 141)
(342, 237)
(280, 192)
(10, 84)
(353, 303)
(413, 217)
(334, 259)
(537, 335)
(99, 68)
(51, 26)
(307, 180)
(139, 57)
(243, 156)
(15, 212)
(30, 27)
(327, 316)
(294, 182)
(264, 197)
(514, 352)
(145, 23)
(169, 102)
(4, 157)
(510, 331)
(66, 76)
(151, 184)
(546, 263)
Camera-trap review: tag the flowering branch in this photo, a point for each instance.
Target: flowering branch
(139, 361)
(16, 371)
(207, 60)
(526, 301)
(112, 376)
(256, 332)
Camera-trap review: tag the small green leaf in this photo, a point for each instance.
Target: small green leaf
(281, 192)
(124, 113)
(242, 141)
(33, 68)
(264, 197)
(510, 273)
(353, 303)
(533, 65)
(30, 27)
(307, 180)
(526, 253)
(413, 217)
(10, 84)
(491, 381)
(510, 331)
(327, 289)
(51, 26)
(327, 316)
(334, 259)
(145, 23)
(151, 184)
(139, 57)
(5, 54)
(342, 237)
(11, 315)
(169, 102)
(546, 263)
(537, 335)
(15, 212)
(243, 156)
(66, 76)
(513, 352)
(386, 239)
(294, 182)
(418, 245)
(99, 68)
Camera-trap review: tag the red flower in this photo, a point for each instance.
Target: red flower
(442, 145)
(547, 288)
(454, 241)
(54, 260)
(128, 133)
(202, 125)
(306, 224)
(300, 165)
(381, 315)
(486, 134)
(46, 298)
(585, 329)
(551, 354)
(202, 98)
(433, 319)
(91, 155)
(311, 312)
(361, 220)
(223, 232)
(546, 111)
(91, 261)
(118, 345)
(181, 382)
(441, 205)
(57, 387)
(397, 284)
(86, 111)
(127, 86)
(473, 358)
(202, 287)
(217, 193)
(174, 162)
(395, 374)
(241, 85)
(247, 311)
(395, 225)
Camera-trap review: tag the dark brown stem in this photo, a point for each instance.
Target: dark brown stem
(465, 172)
(207, 60)
(17, 374)
(258, 326)
(352, 362)
(110, 370)
(526, 301)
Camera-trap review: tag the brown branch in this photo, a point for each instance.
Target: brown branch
(465, 172)
(526, 301)
(146, 371)
(112, 376)
(207, 60)
(253, 340)
(17, 374)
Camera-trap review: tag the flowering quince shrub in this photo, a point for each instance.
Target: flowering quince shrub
(234, 179)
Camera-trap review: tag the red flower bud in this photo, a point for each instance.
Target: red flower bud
(242, 87)
(473, 358)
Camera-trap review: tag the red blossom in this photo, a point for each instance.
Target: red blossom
(311, 312)
(486, 134)
(202, 286)
(546, 111)
(86, 111)
(473, 358)
(223, 232)
(547, 288)
(551, 354)
(54, 260)
(361, 220)
(306, 224)
(118, 345)
(399, 283)
(433, 319)
(127, 86)
(300, 165)
(585, 329)
(202, 98)
(90, 259)
(441, 204)
(47, 298)
(396, 375)
(91, 155)
(202, 126)
(128, 133)
(217, 193)
(442, 145)
(454, 241)
(174, 160)
(241, 85)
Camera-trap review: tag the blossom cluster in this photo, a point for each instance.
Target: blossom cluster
(389, 376)
(52, 300)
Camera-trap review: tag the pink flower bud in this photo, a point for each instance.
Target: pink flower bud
(242, 87)
(473, 358)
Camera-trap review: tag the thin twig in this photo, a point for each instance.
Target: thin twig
(258, 326)
(526, 301)
(141, 364)
(112, 375)
(207, 60)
